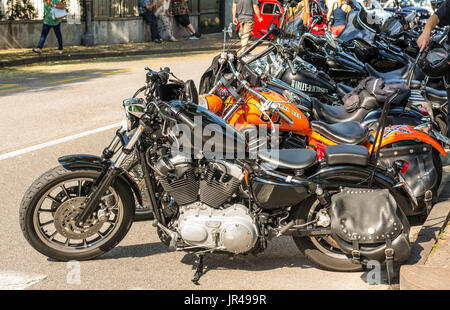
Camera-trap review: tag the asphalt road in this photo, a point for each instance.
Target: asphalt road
(42, 108)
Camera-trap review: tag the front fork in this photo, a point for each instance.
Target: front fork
(108, 176)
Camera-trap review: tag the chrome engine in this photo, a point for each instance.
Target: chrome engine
(231, 229)
(208, 215)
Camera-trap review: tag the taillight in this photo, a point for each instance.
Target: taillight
(404, 167)
(401, 166)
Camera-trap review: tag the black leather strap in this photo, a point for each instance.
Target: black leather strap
(389, 254)
(356, 255)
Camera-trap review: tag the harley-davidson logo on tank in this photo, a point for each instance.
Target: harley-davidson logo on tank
(308, 87)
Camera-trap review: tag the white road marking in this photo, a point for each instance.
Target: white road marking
(57, 141)
(12, 280)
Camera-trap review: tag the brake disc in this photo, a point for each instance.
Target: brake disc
(65, 222)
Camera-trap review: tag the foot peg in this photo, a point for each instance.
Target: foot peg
(173, 235)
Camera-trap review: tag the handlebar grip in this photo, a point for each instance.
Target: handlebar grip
(186, 120)
(291, 66)
(285, 117)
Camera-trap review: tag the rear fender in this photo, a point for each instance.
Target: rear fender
(399, 113)
(334, 177)
(83, 161)
(399, 133)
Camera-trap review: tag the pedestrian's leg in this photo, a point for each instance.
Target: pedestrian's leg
(163, 27)
(153, 26)
(246, 29)
(170, 28)
(58, 34)
(150, 18)
(44, 34)
(191, 29)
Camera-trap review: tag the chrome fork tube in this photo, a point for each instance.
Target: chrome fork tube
(110, 150)
(107, 178)
(129, 146)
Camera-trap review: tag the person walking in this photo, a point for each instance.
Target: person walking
(146, 10)
(442, 18)
(164, 24)
(180, 12)
(243, 11)
(339, 11)
(50, 23)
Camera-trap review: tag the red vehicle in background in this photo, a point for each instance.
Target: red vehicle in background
(272, 10)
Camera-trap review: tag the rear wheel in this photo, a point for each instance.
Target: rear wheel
(323, 251)
(438, 165)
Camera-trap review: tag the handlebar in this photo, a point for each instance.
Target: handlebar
(285, 117)
(162, 76)
(172, 113)
(282, 114)
(184, 118)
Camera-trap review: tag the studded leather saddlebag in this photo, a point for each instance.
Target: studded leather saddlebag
(369, 225)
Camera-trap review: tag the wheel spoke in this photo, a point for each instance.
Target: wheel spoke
(54, 199)
(79, 188)
(65, 191)
(45, 211)
(52, 236)
(46, 223)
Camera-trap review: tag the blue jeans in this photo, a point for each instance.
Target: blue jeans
(45, 30)
(150, 18)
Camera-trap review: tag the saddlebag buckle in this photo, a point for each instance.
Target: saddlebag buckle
(356, 257)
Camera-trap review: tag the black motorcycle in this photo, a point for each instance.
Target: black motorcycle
(342, 211)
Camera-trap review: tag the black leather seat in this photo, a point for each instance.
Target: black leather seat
(346, 154)
(337, 114)
(391, 75)
(346, 132)
(289, 158)
(399, 74)
(401, 100)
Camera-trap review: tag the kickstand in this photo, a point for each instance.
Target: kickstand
(199, 271)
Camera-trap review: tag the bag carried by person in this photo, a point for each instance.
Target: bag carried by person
(58, 14)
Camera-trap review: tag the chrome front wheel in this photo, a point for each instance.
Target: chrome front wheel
(51, 204)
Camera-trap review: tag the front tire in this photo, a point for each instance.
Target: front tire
(323, 251)
(56, 198)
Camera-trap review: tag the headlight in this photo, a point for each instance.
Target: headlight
(126, 122)
(134, 109)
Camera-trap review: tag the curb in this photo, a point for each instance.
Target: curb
(415, 275)
(48, 58)
(424, 278)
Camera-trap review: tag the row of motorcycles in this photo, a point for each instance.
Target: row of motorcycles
(266, 150)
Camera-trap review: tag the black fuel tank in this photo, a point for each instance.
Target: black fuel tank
(313, 84)
(214, 134)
